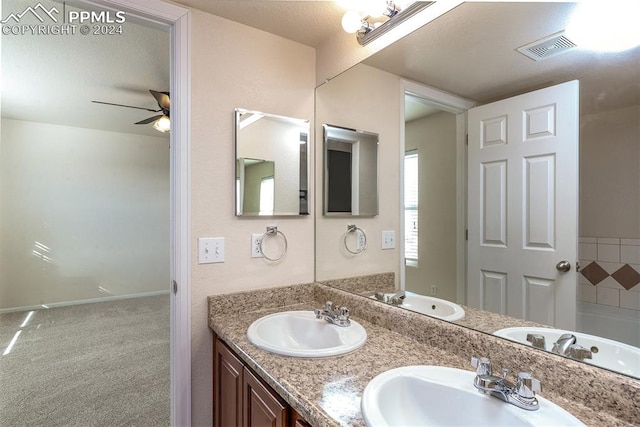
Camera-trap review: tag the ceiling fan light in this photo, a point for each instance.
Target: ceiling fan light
(163, 124)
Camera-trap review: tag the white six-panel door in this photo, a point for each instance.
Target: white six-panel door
(522, 185)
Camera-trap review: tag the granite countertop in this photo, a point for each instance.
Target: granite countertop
(327, 391)
(331, 385)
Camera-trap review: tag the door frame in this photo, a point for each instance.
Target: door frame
(458, 106)
(176, 19)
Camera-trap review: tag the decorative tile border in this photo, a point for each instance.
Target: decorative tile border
(610, 271)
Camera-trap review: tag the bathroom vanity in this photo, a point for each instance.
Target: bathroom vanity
(328, 391)
(241, 398)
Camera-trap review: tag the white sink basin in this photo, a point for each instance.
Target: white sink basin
(610, 354)
(440, 396)
(436, 307)
(300, 334)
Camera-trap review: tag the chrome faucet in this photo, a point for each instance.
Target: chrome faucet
(336, 316)
(393, 299)
(561, 346)
(567, 346)
(521, 394)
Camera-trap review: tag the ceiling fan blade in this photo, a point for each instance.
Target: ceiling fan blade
(127, 106)
(163, 99)
(149, 120)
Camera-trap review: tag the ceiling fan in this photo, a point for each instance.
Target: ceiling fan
(160, 122)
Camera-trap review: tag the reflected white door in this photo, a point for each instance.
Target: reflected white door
(523, 195)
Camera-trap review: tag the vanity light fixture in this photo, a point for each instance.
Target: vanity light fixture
(163, 124)
(367, 30)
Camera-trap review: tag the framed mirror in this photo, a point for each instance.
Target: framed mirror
(272, 177)
(350, 173)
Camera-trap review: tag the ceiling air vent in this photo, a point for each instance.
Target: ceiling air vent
(546, 47)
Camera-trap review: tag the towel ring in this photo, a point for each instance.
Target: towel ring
(355, 229)
(272, 230)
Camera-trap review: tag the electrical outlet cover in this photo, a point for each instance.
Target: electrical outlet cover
(255, 245)
(388, 239)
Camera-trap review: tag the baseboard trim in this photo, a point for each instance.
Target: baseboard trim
(85, 301)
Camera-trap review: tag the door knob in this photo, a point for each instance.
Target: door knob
(563, 266)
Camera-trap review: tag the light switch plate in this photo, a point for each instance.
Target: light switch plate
(388, 239)
(210, 250)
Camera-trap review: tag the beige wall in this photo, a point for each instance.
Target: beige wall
(232, 66)
(339, 102)
(85, 214)
(610, 174)
(434, 137)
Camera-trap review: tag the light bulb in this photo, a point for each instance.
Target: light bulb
(605, 27)
(351, 21)
(163, 124)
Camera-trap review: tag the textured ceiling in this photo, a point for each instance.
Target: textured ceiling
(470, 51)
(54, 78)
(307, 22)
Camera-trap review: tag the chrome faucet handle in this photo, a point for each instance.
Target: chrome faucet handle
(537, 340)
(334, 315)
(397, 298)
(527, 386)
(400, 295)
(505, 372)
(578, 352)
(482, 365)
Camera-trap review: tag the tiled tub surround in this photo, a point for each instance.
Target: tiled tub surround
(327, 391)
(610, 271)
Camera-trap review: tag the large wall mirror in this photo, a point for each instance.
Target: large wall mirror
(605, 292)
(271, 164)
(350, 172)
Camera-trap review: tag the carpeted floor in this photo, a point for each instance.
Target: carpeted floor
(102, 364)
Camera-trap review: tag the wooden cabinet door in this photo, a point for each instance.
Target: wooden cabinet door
(228, 373)
(297, 420)
(262, 407)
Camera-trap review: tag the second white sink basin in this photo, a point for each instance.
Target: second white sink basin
(441, 396)
(301, 334)
(610, 354)
(436, 307)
